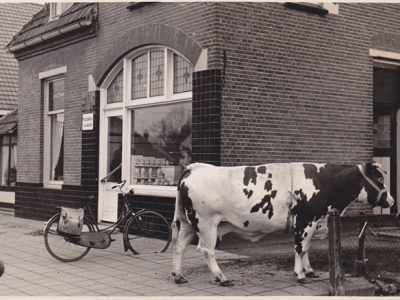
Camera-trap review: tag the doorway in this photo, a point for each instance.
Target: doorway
(111, 167)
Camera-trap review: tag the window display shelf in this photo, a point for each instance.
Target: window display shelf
(155, 171)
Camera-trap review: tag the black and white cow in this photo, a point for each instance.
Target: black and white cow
(254, 201)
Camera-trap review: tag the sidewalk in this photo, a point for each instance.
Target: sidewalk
(31, 271)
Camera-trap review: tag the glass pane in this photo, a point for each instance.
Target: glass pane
(139, 77)
(56, 95)
(9, 161)
(114, 148)
(5, 151)
(115, 90)
(161, 143)
(382, 131)
(57, 147)
(156, 73)
(182, 75)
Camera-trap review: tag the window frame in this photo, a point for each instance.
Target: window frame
(128, 105)
(8, 144)
(57, 8)
(47, 77)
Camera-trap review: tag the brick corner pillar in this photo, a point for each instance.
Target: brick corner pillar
(206, 122)
(90, 143)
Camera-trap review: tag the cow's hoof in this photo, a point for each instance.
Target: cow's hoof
(303, 280)
(312, 275)
(227, 283)
(180, 279)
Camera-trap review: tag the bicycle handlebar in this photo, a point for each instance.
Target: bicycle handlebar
(119, 184)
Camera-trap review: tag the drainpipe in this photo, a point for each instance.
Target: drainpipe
(50, 35)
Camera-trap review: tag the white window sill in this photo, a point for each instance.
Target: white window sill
(55, 185)
(154, 190)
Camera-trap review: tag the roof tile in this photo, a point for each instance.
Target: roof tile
(12, 18)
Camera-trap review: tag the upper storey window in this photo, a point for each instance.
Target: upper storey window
(57, 8)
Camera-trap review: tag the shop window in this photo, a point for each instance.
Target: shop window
(8, 160)
(161, 124)
(54, 130)
(161, 139)
(156, 108)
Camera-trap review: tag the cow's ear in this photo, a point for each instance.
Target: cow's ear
(369, 167)
(379, 167)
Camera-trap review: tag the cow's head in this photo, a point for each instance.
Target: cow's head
(374, 189)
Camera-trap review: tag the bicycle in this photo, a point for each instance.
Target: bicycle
(144, 232)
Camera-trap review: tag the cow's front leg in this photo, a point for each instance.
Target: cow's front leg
(207, 241)
(182, 235)
(303, 234)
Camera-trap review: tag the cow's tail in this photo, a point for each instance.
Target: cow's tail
(179, 213)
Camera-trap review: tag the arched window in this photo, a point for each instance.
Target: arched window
(115, 90)
(153, 91)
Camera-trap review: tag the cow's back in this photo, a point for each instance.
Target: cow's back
(250, 199)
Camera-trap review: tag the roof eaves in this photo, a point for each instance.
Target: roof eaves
(40, 28)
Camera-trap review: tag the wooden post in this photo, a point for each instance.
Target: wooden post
(336, 273)
(360, 264)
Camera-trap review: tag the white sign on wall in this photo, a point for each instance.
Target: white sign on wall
(87, 121)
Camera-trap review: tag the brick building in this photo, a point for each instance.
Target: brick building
(12, 17)
(153, 85)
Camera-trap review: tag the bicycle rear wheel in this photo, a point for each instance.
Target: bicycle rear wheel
(62, 247)
(147, 232)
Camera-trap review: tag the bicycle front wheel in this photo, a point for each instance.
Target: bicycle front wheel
(147, 232)
(62, 247)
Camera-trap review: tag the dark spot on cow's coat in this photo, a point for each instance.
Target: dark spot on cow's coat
(268, 185)
(255, 208)
(269, 175)
(266, 205)
(248, 193)
(262, 170)
(250, 174)
(188, 206)
(273, 194)
(305, 234)
(246, 223)
(298, 239)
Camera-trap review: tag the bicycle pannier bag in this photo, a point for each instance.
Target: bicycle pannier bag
(71, 221)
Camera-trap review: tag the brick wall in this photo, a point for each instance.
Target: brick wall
(299, 85)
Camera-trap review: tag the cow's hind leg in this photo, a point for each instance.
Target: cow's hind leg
(307, 266)
(302, 267)
(207, 241)
(182, 234)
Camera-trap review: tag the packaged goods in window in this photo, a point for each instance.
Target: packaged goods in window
(172, 173)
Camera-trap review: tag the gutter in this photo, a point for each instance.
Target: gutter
(50, 35)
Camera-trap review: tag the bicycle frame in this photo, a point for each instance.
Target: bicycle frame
(125, 214)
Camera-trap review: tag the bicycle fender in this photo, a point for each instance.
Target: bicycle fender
(126, 244)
